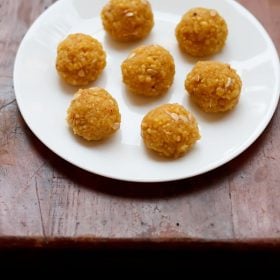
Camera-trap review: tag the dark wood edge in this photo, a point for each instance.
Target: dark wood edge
(103, 243)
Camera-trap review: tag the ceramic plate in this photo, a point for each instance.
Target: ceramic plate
(43, 98)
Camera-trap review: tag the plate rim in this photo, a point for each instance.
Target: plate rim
(260, 129)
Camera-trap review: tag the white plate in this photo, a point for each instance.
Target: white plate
(43, 98)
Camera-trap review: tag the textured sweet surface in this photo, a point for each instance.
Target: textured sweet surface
(201, 32)
(80, 59)
(93, 114)
(148, 70)
(170, 130)
(127, 20)
(213, 86)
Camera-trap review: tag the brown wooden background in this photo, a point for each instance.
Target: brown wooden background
(45, 201)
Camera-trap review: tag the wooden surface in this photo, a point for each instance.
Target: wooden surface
(45, 201)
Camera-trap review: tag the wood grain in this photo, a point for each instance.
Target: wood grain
(45, 200)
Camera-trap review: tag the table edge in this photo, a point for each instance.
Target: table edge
(91, 242)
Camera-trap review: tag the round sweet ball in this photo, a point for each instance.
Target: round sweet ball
(169, 130)
(93, 114)
(149, 70)
(127, 20)
(201, 32)
(214, 86)
(80, 59)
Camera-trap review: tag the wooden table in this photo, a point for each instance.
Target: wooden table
(45, 201)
